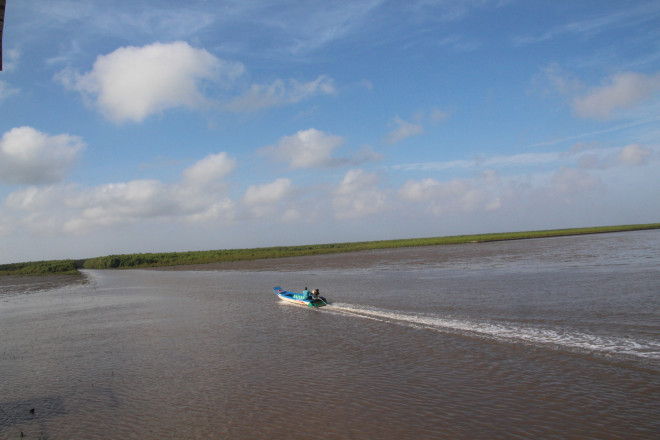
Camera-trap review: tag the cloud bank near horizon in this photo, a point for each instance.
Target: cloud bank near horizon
(48, 205)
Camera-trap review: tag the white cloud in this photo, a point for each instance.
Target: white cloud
(278, 93)
(306, 148)
(402, 130)
(555, 193)
(268, 199)
(40, 210)
(269, 193)
(118, 203)
(210, 169)
(33, 198)
(68, 209)
(358, 195)
(455, 196)
(28, 156)
(133, 83)
(569, 183)
(222, 209)
(625, 90)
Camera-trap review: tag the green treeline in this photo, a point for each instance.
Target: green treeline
(219, 256)
(40, 268)
(128, 261)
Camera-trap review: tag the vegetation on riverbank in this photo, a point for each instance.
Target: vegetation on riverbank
(128, 261)
(53, 267)
(219, 256)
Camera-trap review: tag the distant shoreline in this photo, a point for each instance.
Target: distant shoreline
(236, 256)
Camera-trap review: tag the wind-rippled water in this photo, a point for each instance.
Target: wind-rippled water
(550, 338)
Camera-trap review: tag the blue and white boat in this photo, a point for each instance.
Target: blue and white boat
(304, 299)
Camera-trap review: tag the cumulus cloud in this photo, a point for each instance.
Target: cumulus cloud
(306, 148)
(118, 203)
(358, 195)
(269, 193)
(454, 196)
(33, 198)
(210, 169)
(279, 93)
(42, 210)
(28, 156)
(625, 90)
(568, 183)
(199, 197)
(262, 200)
(133, 83)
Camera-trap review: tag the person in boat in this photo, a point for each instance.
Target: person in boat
(306, 294)
(317, 295)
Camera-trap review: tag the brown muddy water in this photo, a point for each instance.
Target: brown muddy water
(550, 338)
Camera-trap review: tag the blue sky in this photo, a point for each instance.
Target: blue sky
(149, 126)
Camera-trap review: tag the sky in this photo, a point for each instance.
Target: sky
(169, 126)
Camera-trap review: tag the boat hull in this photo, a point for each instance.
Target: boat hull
(291, 298)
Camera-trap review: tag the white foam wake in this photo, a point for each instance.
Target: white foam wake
(512, 332)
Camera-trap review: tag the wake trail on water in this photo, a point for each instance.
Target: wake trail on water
(509, 332)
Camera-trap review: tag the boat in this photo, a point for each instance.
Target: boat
(299, 298)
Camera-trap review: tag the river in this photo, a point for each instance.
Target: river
(544, 338)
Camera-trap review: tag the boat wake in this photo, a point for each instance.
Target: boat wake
(510, 332)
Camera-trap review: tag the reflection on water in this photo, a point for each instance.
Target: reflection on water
(533, 339)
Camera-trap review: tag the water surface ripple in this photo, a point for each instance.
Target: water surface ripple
(552, 338)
